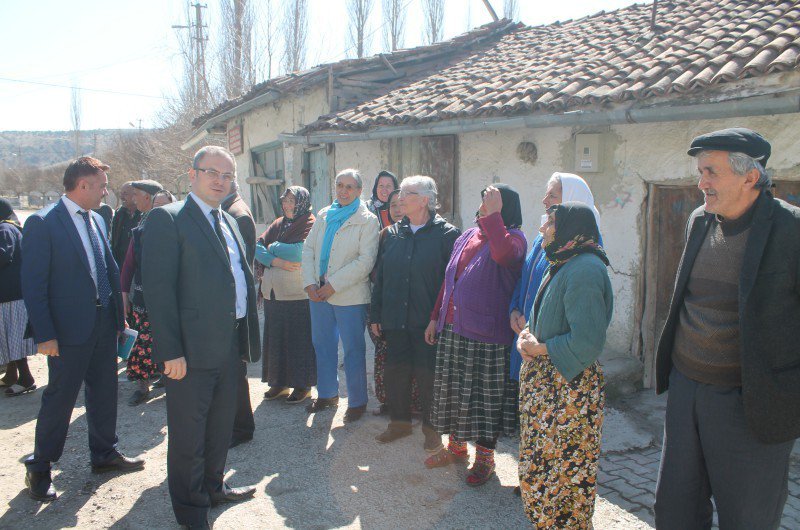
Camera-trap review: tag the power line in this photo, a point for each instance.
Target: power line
(87, 89)
(157, 49)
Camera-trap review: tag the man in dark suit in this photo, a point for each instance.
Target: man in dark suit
(125, 219)
(202, 305)
(71, 288)
(729, 351)
(244, 424)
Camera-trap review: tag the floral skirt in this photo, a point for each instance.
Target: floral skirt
(141, 366)
(380, 368)
(561, 423)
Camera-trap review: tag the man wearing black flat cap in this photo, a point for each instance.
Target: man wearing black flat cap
(125, 219)
(729, 350)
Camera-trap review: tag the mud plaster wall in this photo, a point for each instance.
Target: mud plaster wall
(631, 156)
(262, 126)
(368, 157)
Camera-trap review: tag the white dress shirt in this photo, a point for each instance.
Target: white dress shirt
(233, 252)
(74, 214)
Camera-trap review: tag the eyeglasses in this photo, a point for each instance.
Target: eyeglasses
(404, 193)
(214, 174)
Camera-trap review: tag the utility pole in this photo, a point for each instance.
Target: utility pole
(200, 49)
(491, 10)
(199, 78)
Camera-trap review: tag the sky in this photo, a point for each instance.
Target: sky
(125, 55)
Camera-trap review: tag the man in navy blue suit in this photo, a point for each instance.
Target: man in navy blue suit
(71, 288)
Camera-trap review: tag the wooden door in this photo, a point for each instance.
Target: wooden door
(434, 156)
(437, 159)
(669, 208)
(788, 190)
(316, 178)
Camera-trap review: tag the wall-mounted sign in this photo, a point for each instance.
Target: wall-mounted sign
(235, 140)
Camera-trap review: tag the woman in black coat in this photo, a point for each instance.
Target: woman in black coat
(14, 348)
(410, 271)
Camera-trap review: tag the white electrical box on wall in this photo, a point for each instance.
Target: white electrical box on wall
(587, 153)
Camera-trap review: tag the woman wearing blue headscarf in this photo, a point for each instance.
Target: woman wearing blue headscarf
(338, 255)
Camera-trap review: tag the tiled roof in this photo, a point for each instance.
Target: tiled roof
(597, 61)
(296, 81)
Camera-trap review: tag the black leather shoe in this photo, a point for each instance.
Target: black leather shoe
(138, 397)
(392, 433)
(119, 463)
(239, 440)
(354, 414)
(40, 486)
(203, 526)
(322, 404)
(229, 494)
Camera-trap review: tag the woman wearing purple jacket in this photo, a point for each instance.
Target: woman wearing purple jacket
(471, 319)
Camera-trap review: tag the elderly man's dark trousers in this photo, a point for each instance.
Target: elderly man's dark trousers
(200, 412)
(244, 424)
(709, 451)
(93, 364)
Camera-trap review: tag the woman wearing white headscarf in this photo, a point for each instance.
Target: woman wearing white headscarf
(562, 187)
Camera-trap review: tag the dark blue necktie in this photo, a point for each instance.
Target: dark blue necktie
(103, 285)
(220, 235)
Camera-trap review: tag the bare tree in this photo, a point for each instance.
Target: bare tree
(358, 13)
(510, 9)
(394, 24)
(433, 15)
(75, 118)
(295, 31)
(237, 74)
(265, 38)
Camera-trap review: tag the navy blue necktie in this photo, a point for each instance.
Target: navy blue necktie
(220, 235)
(103, 285)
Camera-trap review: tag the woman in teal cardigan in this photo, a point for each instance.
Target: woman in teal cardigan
(561, 383)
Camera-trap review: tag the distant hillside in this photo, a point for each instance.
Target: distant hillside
(42, 148)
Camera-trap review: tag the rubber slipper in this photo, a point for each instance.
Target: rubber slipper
(17, 390)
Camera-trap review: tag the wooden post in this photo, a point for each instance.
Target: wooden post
(491, 10)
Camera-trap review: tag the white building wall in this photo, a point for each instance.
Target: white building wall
(632, 156)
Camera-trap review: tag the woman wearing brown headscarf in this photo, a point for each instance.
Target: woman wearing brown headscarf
(288, 360)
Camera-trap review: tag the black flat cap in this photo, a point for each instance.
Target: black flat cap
(151, 187)
(735, 139)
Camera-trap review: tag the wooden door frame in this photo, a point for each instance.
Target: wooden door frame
(648, 334)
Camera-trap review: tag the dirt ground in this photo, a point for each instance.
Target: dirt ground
(311, 472)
